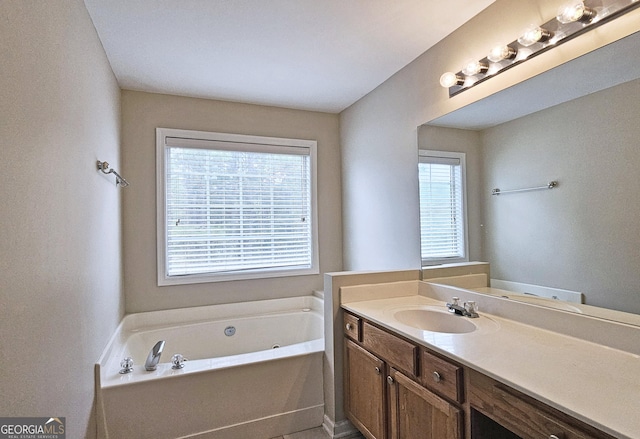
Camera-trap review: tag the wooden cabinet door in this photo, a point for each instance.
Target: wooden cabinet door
(417, 413)
(364, 391)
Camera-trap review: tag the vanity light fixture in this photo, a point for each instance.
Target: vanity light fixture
(572, 20)
(499, 53)
(449, 79)
(533, 35)
(472, 67)
(575, 11)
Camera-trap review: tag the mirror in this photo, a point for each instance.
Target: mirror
(579, 124)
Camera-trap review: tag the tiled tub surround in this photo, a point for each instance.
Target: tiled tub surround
(585, 367)
(263, 381)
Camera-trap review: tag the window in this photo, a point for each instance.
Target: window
(234, 207)
(443, 223)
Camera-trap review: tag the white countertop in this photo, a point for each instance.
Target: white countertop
(591, 382)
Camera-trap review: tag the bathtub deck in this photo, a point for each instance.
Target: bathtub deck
(314, 433)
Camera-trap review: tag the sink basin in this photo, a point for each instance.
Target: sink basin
(435, 321)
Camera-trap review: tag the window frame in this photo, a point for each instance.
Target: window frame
(161, 215)
(422, 154)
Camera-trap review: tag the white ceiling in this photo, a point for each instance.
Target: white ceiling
(318, 55)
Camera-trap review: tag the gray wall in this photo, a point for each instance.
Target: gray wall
(141, 114)
(585, 234)
(60, 258)
(379, 135)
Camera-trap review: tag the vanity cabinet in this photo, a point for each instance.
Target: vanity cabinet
(441, 376)
(384, 398)
(395, 389)
(521, 414)
(416, 412)
(365, 396)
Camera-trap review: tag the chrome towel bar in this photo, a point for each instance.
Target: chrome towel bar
(550, 185)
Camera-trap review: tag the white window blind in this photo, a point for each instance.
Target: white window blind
(236, 207)
(442, 215)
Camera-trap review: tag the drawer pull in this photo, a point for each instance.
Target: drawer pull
(553, 436)
(390, 379)
(349, 326)
(437, 378)
(378, 370)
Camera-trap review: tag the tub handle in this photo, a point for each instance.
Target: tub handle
(126, 365)
(177, 361)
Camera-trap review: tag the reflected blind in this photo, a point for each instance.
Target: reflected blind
(236, 207)
(441, 209)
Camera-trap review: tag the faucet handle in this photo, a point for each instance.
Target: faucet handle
(454, 306)
(127, 365)
(177, 361)
(472, 308)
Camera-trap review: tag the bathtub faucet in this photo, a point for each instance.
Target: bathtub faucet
(154, 356)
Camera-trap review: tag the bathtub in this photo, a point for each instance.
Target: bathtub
(253, 370)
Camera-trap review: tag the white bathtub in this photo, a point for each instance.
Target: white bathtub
(263, 381)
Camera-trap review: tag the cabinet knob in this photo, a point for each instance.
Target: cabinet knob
(553, 436)
(349, 326)
(436, 377)
(378, 370)
(390, 379)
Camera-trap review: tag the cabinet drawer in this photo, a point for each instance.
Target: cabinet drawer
(534, 421)
(351, 326)
(442, 377)
(524, 416)
(394, 350)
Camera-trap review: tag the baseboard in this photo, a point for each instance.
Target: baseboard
(340, 430)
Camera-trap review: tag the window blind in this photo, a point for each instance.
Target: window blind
(442, 228)
(234, 207)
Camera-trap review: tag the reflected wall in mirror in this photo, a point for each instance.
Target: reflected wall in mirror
(585, 234)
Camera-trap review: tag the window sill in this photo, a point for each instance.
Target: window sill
(234, 276)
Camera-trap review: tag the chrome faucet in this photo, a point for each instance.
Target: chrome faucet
(468, 309)
(154, 356)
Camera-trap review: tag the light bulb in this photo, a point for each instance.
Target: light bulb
(499, 53)
(450, 79)
(575, 11)
(472, 67)
(534, 35)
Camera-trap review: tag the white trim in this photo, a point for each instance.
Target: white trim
(461, 156)
(182, 142)
(161, 141)
(340, 430)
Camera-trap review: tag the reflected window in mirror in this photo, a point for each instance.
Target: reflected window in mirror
(443, 218)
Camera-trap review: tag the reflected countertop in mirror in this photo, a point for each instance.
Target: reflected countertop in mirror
(475, 276)
(594, 311)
